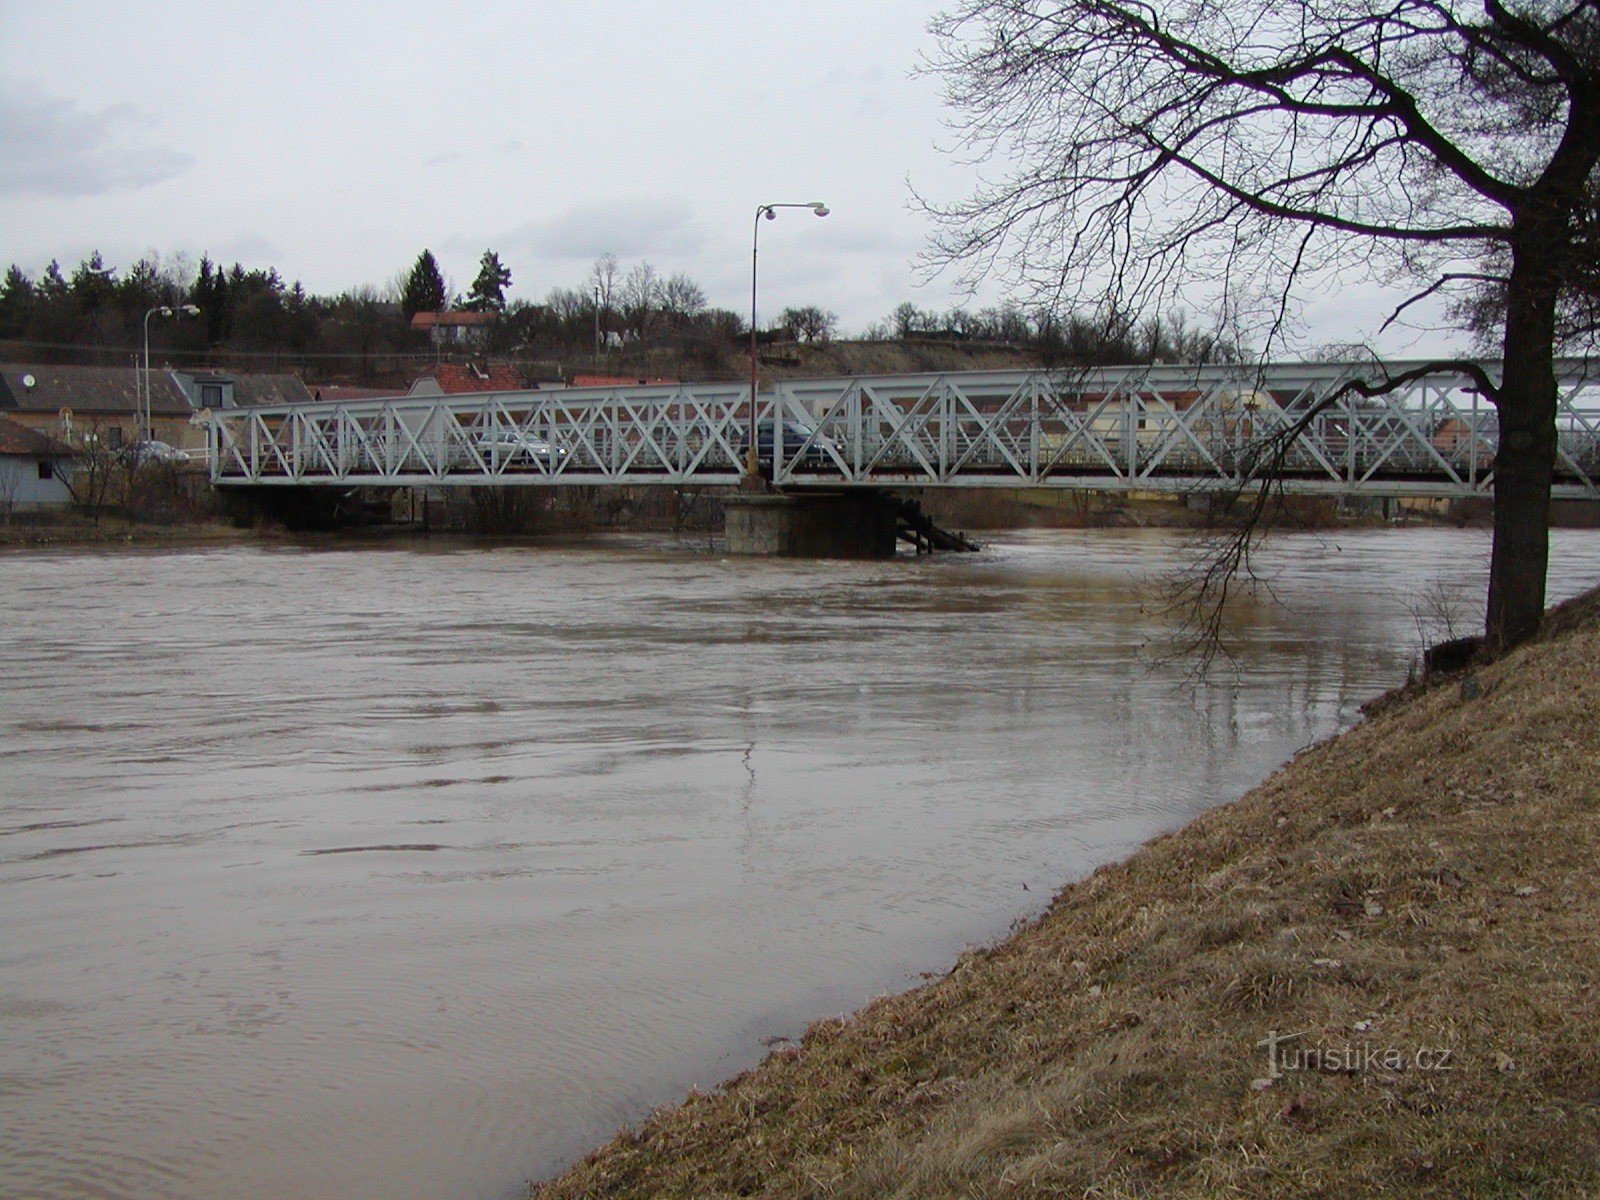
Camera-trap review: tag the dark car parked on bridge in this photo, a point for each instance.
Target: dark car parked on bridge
(803, 446)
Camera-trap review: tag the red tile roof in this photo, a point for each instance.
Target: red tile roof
(428, 320)
(456, 379)
(579, 381)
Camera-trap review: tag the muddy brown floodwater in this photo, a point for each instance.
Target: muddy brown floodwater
(413, 872)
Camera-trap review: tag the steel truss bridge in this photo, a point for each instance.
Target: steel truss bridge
(1147, 428)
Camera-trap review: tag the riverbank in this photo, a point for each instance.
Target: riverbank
(1374, 974)
(72, 530)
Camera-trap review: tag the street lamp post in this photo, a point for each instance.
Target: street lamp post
(752, 467)
(147, 415)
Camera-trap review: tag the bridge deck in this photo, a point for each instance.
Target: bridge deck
(1161, 428)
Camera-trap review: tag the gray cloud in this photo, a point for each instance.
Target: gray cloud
(56, 148)
(633, 228)
(251, 249)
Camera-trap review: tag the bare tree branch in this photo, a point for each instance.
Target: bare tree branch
(1246, 148)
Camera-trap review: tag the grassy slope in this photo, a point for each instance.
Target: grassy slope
(1427, 880)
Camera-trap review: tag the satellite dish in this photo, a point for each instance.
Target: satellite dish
(28, 381)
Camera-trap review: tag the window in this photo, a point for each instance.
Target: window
(46, 469)
(114, 437)
(210, 395)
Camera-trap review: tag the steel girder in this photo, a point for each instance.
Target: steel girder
(1146, 428)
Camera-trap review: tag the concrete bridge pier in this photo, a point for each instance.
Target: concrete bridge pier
(851, 524)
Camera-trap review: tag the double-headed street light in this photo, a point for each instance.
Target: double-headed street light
(752, 468)
(146, 415)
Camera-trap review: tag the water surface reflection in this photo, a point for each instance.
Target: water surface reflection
(410, 872)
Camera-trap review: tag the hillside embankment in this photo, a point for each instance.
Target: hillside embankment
(1378, 973)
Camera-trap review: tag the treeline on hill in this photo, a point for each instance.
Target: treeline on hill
(618, 319)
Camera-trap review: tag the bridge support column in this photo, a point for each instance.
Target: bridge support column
(829, 525)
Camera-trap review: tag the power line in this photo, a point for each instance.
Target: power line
(178, 352)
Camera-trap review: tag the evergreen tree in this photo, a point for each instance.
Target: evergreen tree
(93, 283)
(16, 302)
(488, 292)
(255, 317)
(424, 290)
(52, 287)
(210, 292)
(141, 288)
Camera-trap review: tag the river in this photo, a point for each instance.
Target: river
(413, 870)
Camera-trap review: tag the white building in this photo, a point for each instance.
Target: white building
(33, 468)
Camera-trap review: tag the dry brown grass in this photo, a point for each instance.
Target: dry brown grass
(1426, 881)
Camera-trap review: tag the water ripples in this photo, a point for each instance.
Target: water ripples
(411, 872)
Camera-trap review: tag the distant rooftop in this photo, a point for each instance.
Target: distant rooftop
(455, 379)
(42, 387)
(583, 381)
(19, 439)
(47, 388)
(347, 392)
(446, 320)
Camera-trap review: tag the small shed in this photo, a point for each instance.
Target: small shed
(33, 469)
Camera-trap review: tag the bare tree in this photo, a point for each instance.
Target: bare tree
(908, 320)
(1257, 146)
(682, 298)
(810, 323)
(10, 490)
(605, 279)
(91, 472)
(640, 298)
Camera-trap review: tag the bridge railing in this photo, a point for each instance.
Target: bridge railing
(1167, 428)
(1130, 428)
(569, 436)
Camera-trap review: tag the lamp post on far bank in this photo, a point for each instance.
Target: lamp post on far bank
(752, 467)
(147, 416)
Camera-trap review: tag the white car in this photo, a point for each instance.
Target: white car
(153, 451)
(513, 448)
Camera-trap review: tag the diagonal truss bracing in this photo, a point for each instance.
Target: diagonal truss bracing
(1148, 428)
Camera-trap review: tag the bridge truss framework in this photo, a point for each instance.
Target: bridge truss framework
(1147, 428)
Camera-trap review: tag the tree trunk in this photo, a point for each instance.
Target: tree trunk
(1525, 461)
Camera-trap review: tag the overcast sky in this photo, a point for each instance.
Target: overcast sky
(336, 140)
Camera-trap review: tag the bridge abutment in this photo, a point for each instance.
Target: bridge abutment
(827, 525)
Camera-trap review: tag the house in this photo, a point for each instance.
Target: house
(218, 390)
(459, 379)
(33, 469)
(455, 328)
(107, 403)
